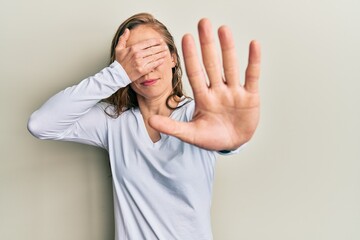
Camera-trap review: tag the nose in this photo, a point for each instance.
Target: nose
(146, 76)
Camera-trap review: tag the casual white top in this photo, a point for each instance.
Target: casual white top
(161, 190)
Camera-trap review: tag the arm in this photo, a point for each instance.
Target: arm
(226, 112)
(73, 113)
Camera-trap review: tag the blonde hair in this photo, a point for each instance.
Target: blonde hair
(125, 98)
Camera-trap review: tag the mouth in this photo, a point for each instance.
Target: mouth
(149, 82)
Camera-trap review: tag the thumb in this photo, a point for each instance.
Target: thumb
(123, 38)
(166, 125)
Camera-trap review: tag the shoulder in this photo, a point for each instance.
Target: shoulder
(184, 110)
(187, 103)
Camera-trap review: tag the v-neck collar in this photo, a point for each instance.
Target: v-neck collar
(163, 137)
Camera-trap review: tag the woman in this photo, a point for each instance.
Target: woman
(162, 146)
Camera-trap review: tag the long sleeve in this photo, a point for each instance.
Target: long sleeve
(75, 113)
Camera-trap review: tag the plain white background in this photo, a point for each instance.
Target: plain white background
(297, 179)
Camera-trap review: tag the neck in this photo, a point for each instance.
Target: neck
(156, 106)
(150, 107)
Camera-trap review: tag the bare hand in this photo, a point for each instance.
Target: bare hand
(226, 113)
(141, 58)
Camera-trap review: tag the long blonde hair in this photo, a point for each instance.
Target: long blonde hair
(125, 98)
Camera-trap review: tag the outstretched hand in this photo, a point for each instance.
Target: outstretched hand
(226, 112)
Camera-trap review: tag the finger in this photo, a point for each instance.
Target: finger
(153, 61)
(154, 64)
(148, 43)
(230, 64)
(209, 54)
(153, 50)
(123, 38)
(150, 59)
(193, 68)
(252, 73)
(182, 130)
(147, 55)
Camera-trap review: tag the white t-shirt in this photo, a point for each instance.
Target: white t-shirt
(161, 190)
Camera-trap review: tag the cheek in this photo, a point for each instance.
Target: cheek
(166, 72)
(169, 61)
(133, 87)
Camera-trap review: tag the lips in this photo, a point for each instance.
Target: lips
(149, 82)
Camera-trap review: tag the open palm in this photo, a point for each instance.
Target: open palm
(226, 113)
